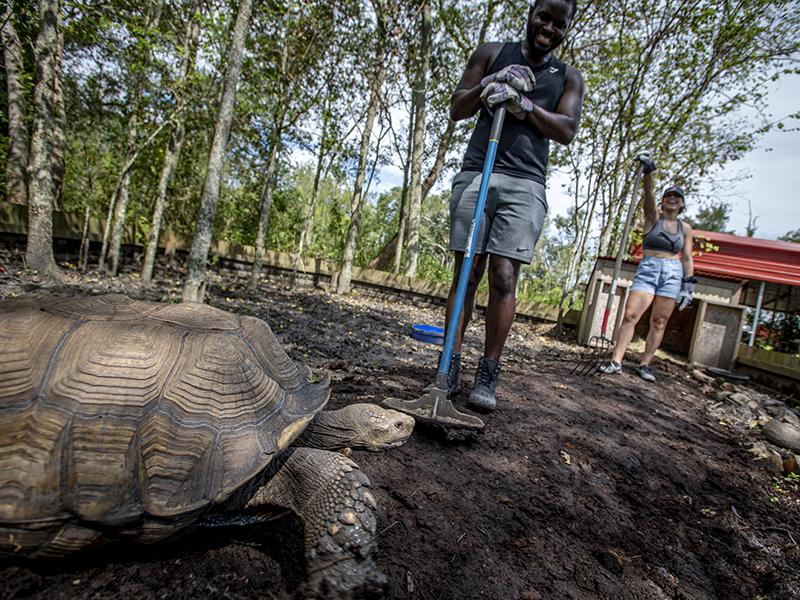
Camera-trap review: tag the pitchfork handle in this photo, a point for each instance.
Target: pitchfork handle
(621, 253)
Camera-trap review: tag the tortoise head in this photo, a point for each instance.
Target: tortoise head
(361, 426)
(380, 428)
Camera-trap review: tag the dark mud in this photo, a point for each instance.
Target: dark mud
(579, 488)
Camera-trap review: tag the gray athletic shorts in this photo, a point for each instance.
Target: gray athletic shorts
(512, 220)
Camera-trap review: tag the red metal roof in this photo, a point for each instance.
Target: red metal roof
(749, 258)
(739, 258)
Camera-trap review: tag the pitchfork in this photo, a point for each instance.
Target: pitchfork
(601, 347)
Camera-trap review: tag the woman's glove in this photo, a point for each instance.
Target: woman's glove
(648, 164)
(687, 292)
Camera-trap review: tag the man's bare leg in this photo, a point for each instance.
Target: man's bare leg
(478, 269)
(503, 275)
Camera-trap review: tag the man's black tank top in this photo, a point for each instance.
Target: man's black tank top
(521, 151)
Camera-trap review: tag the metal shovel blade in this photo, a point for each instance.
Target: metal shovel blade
(435, 408)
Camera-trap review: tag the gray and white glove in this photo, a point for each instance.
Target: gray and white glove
(648, 164)
(497, 93)
(519, 77)
(687, 292)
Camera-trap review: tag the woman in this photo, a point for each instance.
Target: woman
(665, 276)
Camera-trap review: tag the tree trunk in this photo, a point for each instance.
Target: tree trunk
(281, 104)
(121, 207)
(83, 252)
(172, 152)
(346, 273)
(382, 260)
(266, 205)
(308, 230)
(118, 230)
(441, 153)
(60, 131)
(17, 157)
(193, 289)
(415, 186)
(42, 190)
(402, 213)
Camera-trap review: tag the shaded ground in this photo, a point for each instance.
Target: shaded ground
(580, 488)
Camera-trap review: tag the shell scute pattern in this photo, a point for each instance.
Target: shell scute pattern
(273, 358)
(178, 465)
(126, 409)
(102, 308)
(100, 467)
(219, 378)
(27, 338)
(113, 367)
(198, 317)
(31, 449)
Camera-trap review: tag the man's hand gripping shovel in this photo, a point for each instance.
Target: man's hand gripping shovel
(434, 407)
(601, 347)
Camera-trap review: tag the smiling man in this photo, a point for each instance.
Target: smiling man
(544, 97)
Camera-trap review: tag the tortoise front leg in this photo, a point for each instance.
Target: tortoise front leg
(331, 496)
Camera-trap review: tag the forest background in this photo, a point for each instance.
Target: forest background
(268, 123)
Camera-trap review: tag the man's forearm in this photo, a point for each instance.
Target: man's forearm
(554, 126)
(465, 103)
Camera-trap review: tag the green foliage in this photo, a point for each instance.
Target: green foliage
(711, 216)
(791, 236)
(542, 280)
(436, 259)
(378, 225)
(671, 77)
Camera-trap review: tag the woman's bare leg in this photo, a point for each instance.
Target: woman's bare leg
(638, 303)
(662, 310)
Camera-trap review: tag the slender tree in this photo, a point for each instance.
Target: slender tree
(194, 287)
(172, 152)
(44, 143)
(17, 157)
(346, 271)
(120, 207)
(419, 101)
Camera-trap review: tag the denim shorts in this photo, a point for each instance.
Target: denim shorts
(659, 276)
(512, 220)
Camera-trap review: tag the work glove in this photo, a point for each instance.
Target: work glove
(519, 77)
(497, 93)
(647, 162)
(687, 292)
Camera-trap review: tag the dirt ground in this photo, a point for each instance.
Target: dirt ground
(579, 488)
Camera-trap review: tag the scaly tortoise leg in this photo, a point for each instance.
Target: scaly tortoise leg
(331, 496)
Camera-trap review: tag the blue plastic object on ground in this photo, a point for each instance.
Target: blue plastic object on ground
(430, 334)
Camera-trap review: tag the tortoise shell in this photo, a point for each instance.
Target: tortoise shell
(115, 411)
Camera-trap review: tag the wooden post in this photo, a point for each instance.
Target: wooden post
(758, 313)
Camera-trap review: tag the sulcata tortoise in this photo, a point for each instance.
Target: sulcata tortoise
(130, 420)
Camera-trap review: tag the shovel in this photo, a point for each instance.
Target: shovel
(434, 407)
(601, 347)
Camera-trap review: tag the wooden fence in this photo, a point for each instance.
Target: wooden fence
(13, 219)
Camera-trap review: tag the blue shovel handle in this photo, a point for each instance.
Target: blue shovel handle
(469, 252)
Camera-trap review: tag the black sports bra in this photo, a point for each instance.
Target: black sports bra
(660, 240)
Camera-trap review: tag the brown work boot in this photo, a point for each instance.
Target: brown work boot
(482, 395)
